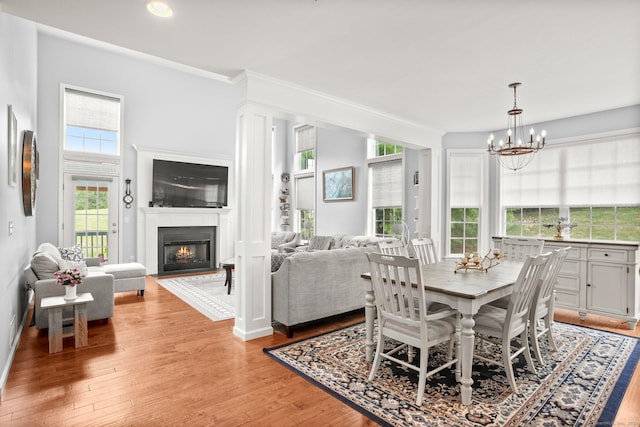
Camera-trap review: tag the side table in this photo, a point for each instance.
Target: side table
(78, 330)
(228, 266)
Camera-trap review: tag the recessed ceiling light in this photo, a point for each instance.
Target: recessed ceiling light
(159, 8)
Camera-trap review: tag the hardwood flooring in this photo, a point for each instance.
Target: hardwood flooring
(160, 362)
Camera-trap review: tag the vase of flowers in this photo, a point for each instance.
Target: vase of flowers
(562, 226)
(70, 279)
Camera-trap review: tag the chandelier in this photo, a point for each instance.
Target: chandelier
(516, 152)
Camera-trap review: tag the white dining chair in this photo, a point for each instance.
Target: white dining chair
(502, 326)
(402, 317)
(542, 304)
(392, 247)
(516, 249)
(425, 250)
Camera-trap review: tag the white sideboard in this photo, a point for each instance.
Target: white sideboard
(599, 277)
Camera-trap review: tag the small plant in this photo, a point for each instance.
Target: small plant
(561, 224)
(68, 277)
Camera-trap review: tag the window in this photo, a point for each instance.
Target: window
(91, 122)
(305, 148)
(386, 196)
(466, 177)
(385, 220)
(595, 183)
(528, 222)
(464, 230)
(381, 148)
(305, 206)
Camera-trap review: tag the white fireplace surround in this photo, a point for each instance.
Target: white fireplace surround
(150, 218)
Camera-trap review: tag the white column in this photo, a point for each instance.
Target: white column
(253, 232)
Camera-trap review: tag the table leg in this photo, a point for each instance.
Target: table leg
(467, 337)
(369, 317)
(80, 329)
(55, 329)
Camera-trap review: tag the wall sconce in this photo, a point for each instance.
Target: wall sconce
(128, 198)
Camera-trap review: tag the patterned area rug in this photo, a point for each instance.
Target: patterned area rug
(580, 385)
(206, 293)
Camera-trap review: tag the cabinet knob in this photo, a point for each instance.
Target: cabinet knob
(606, 254)
(588, 284)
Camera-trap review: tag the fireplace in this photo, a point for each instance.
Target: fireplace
(186, 249)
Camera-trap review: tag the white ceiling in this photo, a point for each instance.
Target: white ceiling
(443, 63)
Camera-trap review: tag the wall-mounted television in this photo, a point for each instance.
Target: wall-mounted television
(190, 185)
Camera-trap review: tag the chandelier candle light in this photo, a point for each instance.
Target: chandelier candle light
(517, 152)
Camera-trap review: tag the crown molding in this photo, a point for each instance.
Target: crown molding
(87, 41)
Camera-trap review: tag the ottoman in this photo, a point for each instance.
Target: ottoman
(127, 277)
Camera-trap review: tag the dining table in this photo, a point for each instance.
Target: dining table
(463, 290)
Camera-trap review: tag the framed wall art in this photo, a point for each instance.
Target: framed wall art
(338, 184)
(12, 148)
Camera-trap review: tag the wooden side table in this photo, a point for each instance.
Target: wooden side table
(78, 330)
(228, 268)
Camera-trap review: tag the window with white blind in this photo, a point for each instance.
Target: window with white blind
(386, 189)
(305, 147)
(305, 206)
(91, 122)
(595, 183)
(466, 177)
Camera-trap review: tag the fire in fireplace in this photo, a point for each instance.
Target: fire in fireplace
(186, 249)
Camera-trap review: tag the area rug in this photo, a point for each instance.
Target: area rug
(206, 293)
(582, 384)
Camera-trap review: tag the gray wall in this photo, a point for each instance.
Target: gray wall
(338, 149)
(18, 85)
(164, 109)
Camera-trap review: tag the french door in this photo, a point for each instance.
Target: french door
(91, 215)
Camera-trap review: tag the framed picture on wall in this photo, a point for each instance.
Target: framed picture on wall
(12, 148)
(338, 184)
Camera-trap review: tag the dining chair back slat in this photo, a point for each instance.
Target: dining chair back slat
(519, 249)
(392, 247)
(425, 250)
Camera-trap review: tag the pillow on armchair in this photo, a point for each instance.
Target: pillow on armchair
(321, 243)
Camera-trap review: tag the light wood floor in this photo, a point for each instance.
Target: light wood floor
(159, 362)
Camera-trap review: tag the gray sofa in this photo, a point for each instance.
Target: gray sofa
(315, 284)
(102, 281)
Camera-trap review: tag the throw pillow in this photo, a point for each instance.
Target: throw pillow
(73, 253)
(276, 240)
(277, 260)
(70, 265)
(319, 242)
(44, 265)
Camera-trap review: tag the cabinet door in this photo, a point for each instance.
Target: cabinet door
(607, 288)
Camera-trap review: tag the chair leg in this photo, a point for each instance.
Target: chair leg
(377, 359)
(527, 352)
(422, 378)
(548, 321)
(506, 362)
(533, 335)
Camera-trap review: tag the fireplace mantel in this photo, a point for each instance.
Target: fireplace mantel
(149, 219)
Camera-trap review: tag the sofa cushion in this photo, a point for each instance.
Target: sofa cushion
(72, 253)
(125, 271)
(319, 242)
(44, 265)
